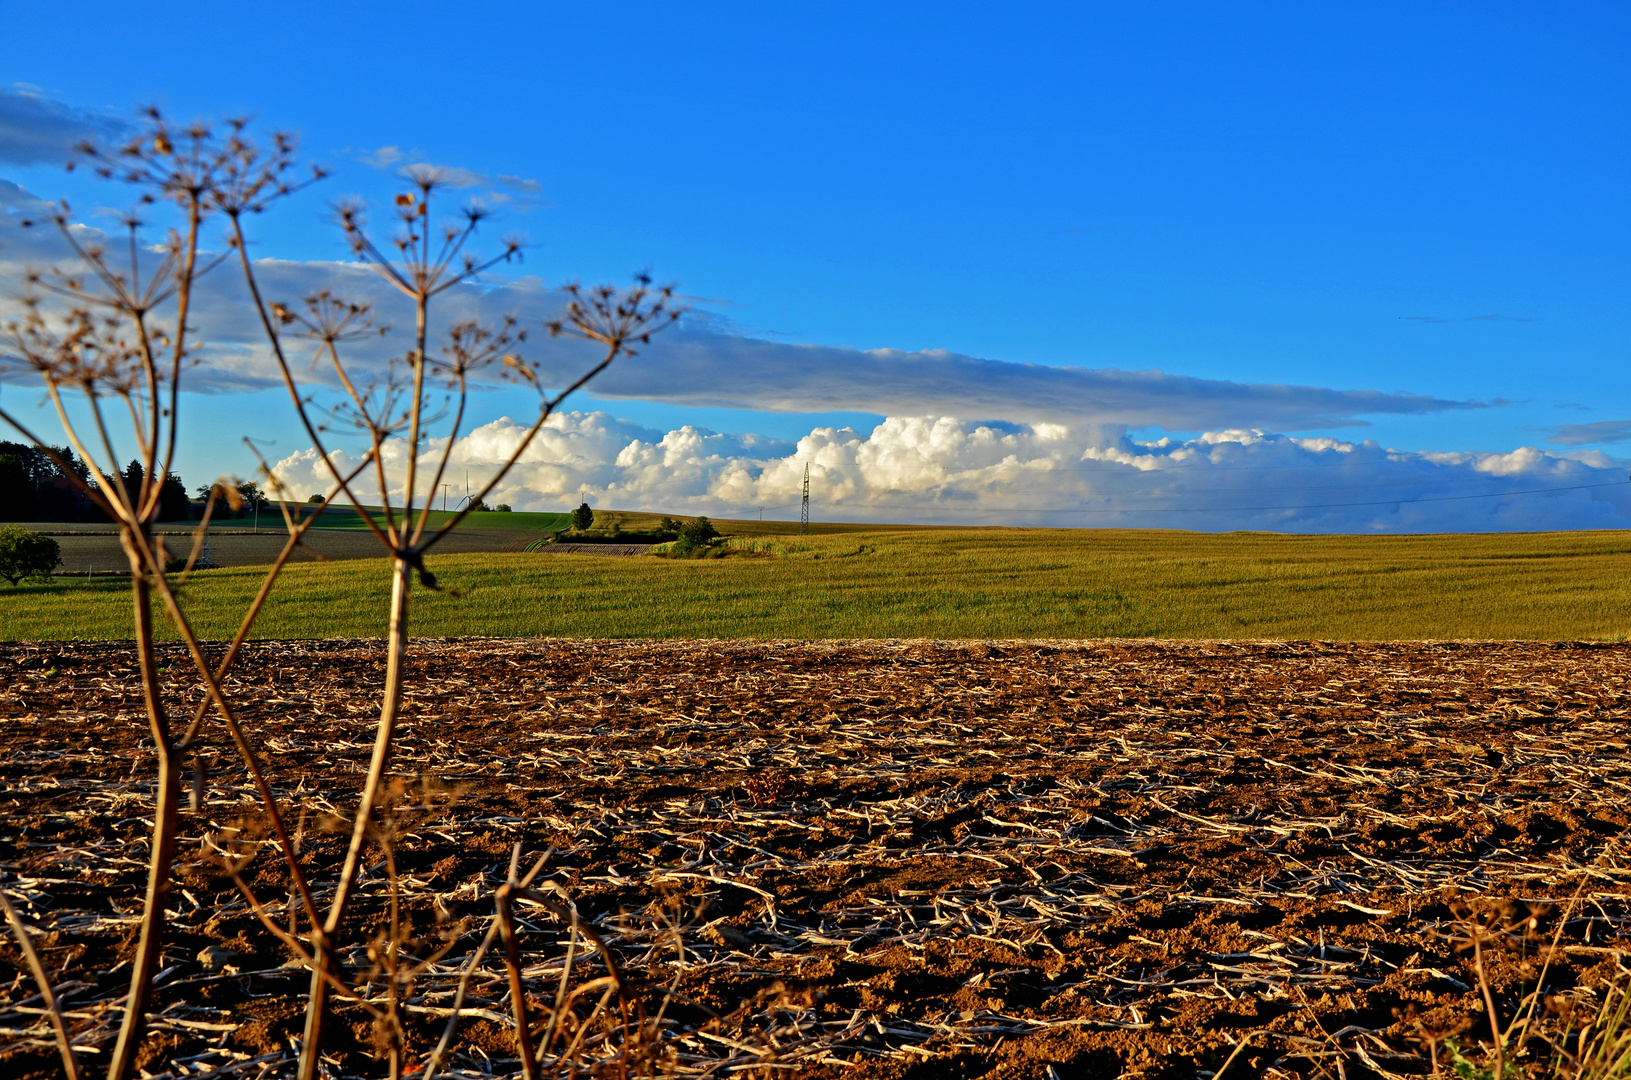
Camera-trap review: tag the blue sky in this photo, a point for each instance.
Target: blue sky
(1425, 200)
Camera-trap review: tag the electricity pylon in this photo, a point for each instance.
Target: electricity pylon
(804, 507)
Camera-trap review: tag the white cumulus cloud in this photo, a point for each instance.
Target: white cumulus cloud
(943, 470)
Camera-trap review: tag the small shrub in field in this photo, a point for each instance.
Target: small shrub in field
(27, 555)
(695, 536)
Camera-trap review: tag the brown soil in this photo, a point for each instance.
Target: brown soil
(892, 859)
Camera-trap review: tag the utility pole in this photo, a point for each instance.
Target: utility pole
(804, 507)
(444, 497)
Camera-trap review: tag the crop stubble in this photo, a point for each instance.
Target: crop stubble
(917, 859)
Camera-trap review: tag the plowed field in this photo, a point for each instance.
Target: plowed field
(888, 859)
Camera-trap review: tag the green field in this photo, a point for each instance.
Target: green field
(344, 517)
(989, 583)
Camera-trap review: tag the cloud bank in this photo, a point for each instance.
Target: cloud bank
(943, 470)
(1603, 431)
(34, 130)
(706, 362)
(700, 365)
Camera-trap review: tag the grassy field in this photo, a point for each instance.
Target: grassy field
(994, 583)
(344, 517)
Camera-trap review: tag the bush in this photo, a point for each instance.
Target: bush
(25, 555)
(695, 536)
(315, 499)
(503, 508)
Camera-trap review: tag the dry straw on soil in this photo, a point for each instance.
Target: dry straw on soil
(887, 859)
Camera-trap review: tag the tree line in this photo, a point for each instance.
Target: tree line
(33, 487)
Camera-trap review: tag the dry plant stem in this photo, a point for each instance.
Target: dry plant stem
(323, 938)
(166, 817)
(296, 534)
(213, 692)
(391, 965)
(1551, 954)
(518, 989)
(200, 536)
(423, 277)
(70, 1063)
(441, 463)
(343, 483)
(503, 901)
(435, 1059)
(415, 415)
(293, 945)
(1497, 1036)
(521, 448)
(130, 363)
(145, 566)
(1230, 1060)
(475, 958)
(183, 305)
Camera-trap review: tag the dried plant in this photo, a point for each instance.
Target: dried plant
(114, 333)
(422, 264)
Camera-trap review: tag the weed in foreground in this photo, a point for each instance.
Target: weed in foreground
(114, 332)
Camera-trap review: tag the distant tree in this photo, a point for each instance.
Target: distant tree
(133, 476)
(503, 508)
(254, 498)
(694, 535)
(79, 469)
(583, 517)
(16, 489)
(315, 499)
(35, 488)
(27, 555)
(477, 504)
(36, 465)
(668, 525)
(173, 503)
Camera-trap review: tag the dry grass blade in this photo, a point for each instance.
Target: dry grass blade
(70, 1061)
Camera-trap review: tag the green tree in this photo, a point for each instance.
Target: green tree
(583, 517)
(26, 555)
(134, 477)
(173, 502)
(694, 535)
(253, 497)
